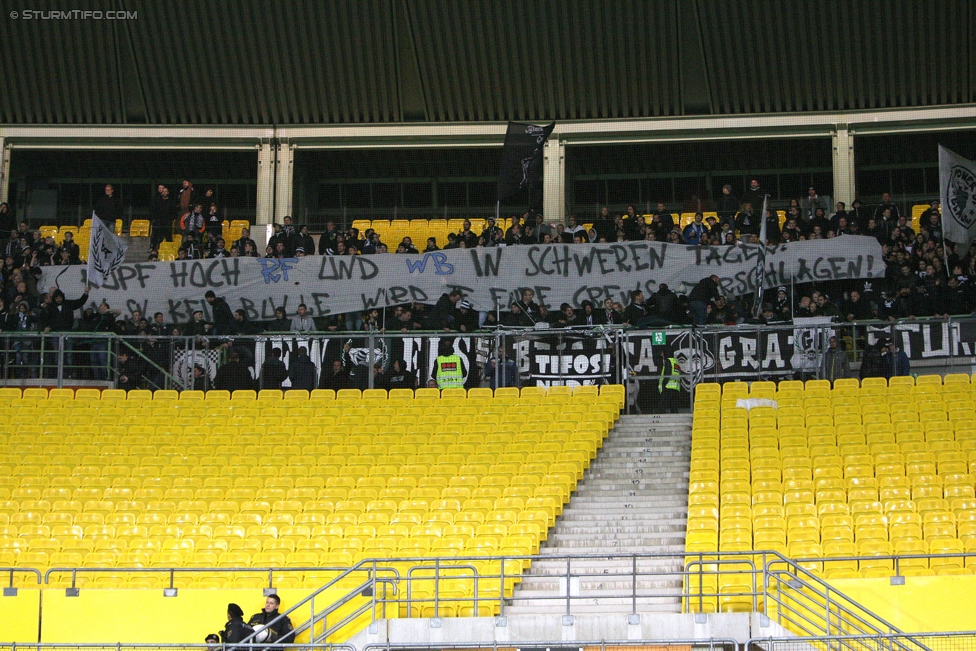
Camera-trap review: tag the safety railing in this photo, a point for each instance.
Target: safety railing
(501, 357)
(132, 646)
(895, 563)
(807, 605)
(377, 577)
(927, 641)
(10, 572)
(486, 585)
(726, 644)
(710, 644)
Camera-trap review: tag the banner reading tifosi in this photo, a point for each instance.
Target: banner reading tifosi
(489, 277)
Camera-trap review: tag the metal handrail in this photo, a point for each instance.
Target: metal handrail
(884, 557)
(359, 591)
(797, 585)
(710, 643)
(172, 571)
(119, 646)
(809, 580)
(847, 640)
(310, 599)
(177, 382)
(24, 570)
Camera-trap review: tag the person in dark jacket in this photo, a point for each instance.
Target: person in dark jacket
(59, 316)
(201, 382)
(235, 630)
(728, 205)
(222, 315)
(467, 317)
(273, 371)
(871, 363)
(701, 295)
(665, 303)
(108, 208)
(445, 313)
(282, 629)
(234, 375)
(129, 372)
(398, 377)
(69, 247)
(636, 312)
(335, 378)
(895, 361)
(858, 308)
(162, 212)
(835, 365)
(281, 323)
(302, 371)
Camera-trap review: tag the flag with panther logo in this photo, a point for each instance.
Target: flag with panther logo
(957, 183)
(105, 252)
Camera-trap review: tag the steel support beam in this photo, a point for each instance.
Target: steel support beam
(4, 170)
(284, 179)
(264, 210)
(842, 145)
(554, 180)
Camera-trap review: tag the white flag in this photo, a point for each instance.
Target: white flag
(957, 183)
(105, 252)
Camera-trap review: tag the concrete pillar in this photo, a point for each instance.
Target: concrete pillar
(4, 171)
(264, 210)
(284, 182)
(554, 180)
(842, 142)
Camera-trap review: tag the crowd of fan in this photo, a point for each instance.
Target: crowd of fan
(924, 276)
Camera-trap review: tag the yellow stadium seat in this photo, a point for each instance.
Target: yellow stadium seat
(139, 228)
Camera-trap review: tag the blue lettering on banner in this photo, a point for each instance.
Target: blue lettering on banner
(269, 267)
(441, 266)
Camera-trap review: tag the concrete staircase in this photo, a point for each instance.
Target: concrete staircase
(633, 499)
(138, 250)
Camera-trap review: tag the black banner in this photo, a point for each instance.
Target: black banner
(521, 167)
(571, 358)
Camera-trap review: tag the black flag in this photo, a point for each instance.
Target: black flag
(522, 158)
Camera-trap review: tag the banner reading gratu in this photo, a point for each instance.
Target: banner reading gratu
(489, 277)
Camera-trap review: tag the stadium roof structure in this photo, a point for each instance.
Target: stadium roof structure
(295, 62)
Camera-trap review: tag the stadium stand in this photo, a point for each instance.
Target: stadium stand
(135, 480)
(849, 470)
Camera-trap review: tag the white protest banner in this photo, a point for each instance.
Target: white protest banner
(489, 277)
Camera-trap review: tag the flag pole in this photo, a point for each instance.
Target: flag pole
(945, 251)
(760, 262)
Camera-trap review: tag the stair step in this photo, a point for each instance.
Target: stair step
(619, 529)
(626, 487)
(557, 551)
(638, 541)
(595, 525)
(595, 604)
(623, 563)
(609, 515)
(611, 500)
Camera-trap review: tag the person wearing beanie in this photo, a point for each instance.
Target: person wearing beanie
(235, 630)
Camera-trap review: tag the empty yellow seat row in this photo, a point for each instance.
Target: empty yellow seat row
(132, 480)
